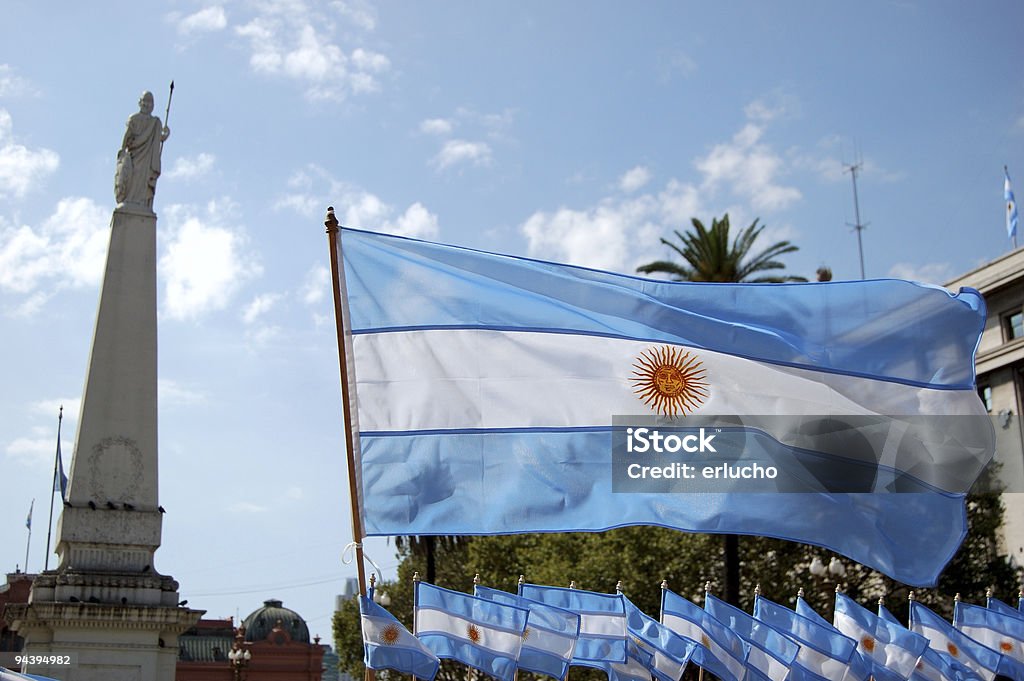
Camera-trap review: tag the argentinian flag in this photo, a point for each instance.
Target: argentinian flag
(486, 387)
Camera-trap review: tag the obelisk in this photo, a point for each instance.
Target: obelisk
(105, 606)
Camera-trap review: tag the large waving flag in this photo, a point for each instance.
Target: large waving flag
(483, 634)
(891, 650)
(669, 652)
(719, 649)
(772, 653)
(1000, 632)
(824, 655)
(487, 387)
(389, 645)
(551, 633)
(944, 638)
(602, 637)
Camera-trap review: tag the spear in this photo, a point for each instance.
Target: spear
(167, 113)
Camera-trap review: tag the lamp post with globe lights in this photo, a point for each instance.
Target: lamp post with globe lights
(239, 656)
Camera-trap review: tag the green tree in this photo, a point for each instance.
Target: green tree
(708, 255)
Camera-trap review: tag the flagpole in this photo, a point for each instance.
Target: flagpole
(53, 488)
(333, 229)
(415, 607)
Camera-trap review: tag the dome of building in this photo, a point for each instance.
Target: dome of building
(260, 624)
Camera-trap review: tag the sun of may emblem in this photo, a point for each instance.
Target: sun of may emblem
(389, 635)
(670, 381)
(867, 643)
(473, 633)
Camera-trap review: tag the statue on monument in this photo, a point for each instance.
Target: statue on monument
(138, 160)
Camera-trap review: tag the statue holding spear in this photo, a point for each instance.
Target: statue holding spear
(138, 160)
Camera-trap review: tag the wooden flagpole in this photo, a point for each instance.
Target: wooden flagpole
(333, 230)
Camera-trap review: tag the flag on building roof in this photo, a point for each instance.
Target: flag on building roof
(891, 649)
(669, 652)
(772, 653)
(823, 655)
(387, 644)
(551, 633)
(1011, 205)
(494, 380)
(603, 629)
(719, 649)
(481, 633)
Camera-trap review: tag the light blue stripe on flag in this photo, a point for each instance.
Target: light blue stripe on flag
(602, 636)
(933, 665)
(389, 645)
(857, 668)
(480, 633)
(771, 652)
(1004, 609)
(454, 439)
(551, 633)
(944, 638)
(891, 650)
(822, 655)
(998, 631)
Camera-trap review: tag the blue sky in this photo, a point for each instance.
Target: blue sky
(570, 131)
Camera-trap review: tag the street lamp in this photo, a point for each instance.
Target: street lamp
(381, 598)
(239, 656)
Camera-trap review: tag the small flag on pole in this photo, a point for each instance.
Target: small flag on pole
(28, 520)
(890, 649)
(669, 651)
(389, 645)
(602, 622)
(823, 655)
(1000, 632)
(60, 482)
(719, 649)
(943, 637)
(772, 653)
(1011, 206)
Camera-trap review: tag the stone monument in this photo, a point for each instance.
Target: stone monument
(105, 605)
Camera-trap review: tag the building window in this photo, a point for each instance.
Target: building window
(985, 392)
(1013, 325)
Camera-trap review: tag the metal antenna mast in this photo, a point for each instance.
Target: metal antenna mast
(853, 169)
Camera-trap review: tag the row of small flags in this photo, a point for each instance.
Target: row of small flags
(546, 630)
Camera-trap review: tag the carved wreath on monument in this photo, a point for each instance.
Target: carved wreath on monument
(115, 466)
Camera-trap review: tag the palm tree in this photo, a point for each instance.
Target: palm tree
(708, 256)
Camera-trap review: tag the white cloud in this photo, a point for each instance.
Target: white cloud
(436, 126)
(361, 14)
(21, 168)
(246, 507)
(205, 261)
(12, 85)
(675, 63)
(171, 392)
(297, 41)
(50, 408)
(33, 450)
(749, 168)
(206, 20)
(192, 168)
(314, 189)
(67, 250)
(317, 284)
(937, 273)
(455, 152)
(259, 306)
(634, 178)
(294, 493)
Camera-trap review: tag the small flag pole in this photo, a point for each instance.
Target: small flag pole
(415, 607)
(347, 398)
(53, 488)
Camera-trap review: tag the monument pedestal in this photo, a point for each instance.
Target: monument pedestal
(105, 605)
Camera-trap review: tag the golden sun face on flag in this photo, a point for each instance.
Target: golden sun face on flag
(669, 380)
(953, 650)
(473, 633)
(1005, 646)
(867, 643)
(389, 635)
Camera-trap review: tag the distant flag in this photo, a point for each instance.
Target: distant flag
(483, 634)
(1011, 206)
(603, 632)
(60, 481)
(551, 633)
(669, 652)
(28, 519)
(890, 649)
(823, 656)
(389, 645)
(944, 638)
(934, 665)
(858, 668)
(772, 653)
(719, 649)
(1000, 632)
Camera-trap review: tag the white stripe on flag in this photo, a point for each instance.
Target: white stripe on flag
(820, 663)
(469, 378)
(602, 625)
(430, 621)
(549, 641)
(993, 639)
(695, 633)
(940, 642)
(766, 664)
(889, 655)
